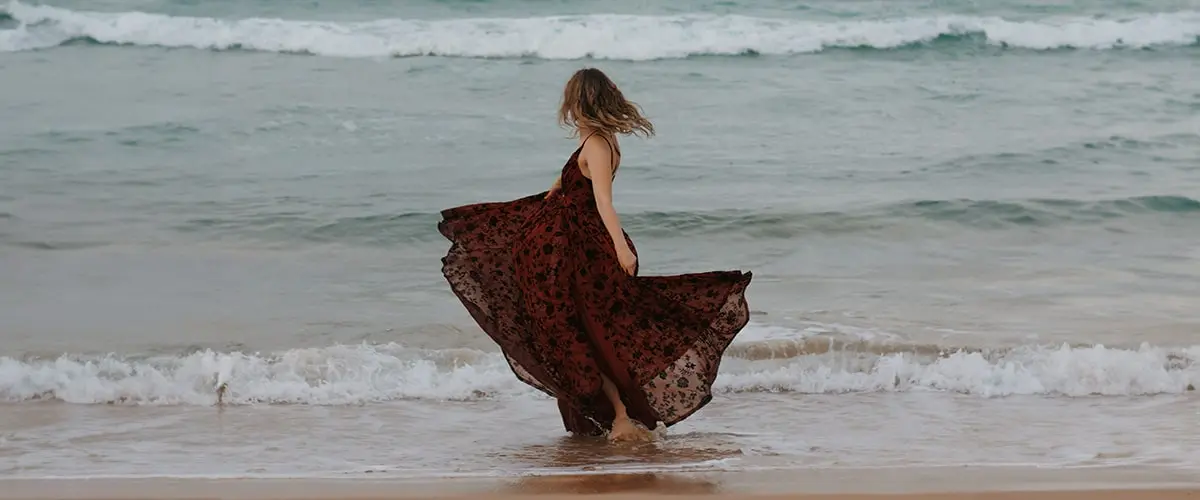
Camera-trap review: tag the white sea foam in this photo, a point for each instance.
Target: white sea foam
(342, 374)
(355, 374)
(628, 37)
(1029, 370)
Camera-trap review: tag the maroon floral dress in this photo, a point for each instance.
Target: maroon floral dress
(540, 276)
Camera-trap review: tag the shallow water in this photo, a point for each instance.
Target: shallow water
(411, 439)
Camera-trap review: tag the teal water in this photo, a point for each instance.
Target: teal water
(985, 199)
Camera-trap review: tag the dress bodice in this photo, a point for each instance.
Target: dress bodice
(576, 187)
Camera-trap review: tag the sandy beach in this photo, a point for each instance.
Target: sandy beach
(1026, 495)
(949, 483)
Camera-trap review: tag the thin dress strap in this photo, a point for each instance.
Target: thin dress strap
(614, 152)
(584, 141)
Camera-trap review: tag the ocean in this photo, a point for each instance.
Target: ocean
(974, 228)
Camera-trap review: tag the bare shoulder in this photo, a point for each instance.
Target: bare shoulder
(598, 155)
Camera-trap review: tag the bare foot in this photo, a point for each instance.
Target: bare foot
(624, 429)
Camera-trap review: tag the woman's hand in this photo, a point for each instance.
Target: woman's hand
(555, 187)
(627, 260)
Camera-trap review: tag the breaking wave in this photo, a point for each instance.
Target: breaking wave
(627, 37)
(774, 361)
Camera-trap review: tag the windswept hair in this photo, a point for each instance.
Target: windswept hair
(591, 100)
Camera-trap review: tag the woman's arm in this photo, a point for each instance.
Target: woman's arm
(598, 157)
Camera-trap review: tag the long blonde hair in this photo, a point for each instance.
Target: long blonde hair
(591, 100)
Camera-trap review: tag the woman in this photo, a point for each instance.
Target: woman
(552, 278)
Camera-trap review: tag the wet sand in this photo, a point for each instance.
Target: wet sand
(948, 483)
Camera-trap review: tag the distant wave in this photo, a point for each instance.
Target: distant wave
(53, 245)
(391, 229)
(982, 214)
(357, 374)
(385, 230)
(625, 37)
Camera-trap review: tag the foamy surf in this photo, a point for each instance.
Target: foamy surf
(364, 373)
(627, 37)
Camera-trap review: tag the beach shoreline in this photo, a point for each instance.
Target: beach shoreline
(997, 483)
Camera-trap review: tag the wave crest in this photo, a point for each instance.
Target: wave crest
(359, 374)
(627, 37)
